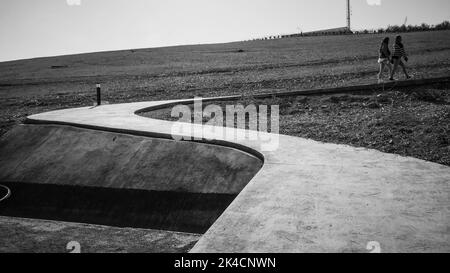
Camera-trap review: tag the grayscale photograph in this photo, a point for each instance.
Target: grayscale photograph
(248, 128)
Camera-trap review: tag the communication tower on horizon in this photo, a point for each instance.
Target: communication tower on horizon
(349, 13)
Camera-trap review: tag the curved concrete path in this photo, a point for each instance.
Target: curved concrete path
(308, 196)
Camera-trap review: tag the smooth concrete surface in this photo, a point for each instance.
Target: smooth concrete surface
(66, 155)
(309, 196)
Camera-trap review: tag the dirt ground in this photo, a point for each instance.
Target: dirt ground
(410, 121)
(37, 85)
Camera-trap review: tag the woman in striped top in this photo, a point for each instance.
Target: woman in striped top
(399, 52)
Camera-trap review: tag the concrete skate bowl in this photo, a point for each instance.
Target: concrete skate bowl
(73, 174)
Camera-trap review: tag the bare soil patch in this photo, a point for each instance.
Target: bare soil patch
(410, 121)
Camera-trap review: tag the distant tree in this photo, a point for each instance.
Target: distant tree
(403, 28)
(442, 26)
(394, 29)
(424, 27)
(390, 29)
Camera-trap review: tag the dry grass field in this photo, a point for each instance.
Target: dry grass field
(412, 121)
(37, 85)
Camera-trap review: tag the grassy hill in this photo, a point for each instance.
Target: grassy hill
(42, 84)
(221, 65)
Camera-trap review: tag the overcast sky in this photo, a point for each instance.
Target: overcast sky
(34, 28)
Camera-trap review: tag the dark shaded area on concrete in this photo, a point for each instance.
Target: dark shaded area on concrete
(174, 211)
(79, 175)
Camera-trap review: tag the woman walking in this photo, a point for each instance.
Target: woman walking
(384, 58)
(399, 52)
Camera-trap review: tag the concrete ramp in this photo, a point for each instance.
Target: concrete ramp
(65, 155)
(307, 197)
(66, 173)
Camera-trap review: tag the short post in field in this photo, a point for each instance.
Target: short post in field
(99, 99)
